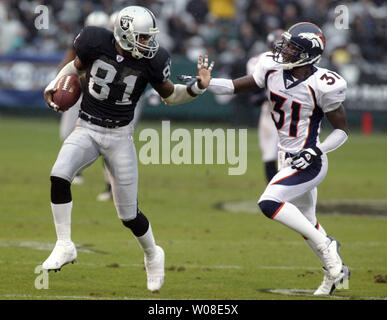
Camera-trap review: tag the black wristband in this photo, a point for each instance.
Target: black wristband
(190, 92)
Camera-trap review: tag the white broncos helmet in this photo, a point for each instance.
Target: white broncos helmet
(130, 24)
(97, 19)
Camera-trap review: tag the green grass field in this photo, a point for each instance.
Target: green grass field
(210, 253)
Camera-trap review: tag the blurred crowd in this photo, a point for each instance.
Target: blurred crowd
(230, 31)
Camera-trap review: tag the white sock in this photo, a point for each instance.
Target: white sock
(312, 245)
(147, 243)
(291, 217)
(321, 229)
(62, 220)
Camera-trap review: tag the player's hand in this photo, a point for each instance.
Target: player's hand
(48, 97)
(204, 72)
(305, 158)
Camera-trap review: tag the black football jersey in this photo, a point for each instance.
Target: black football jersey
(114, 83)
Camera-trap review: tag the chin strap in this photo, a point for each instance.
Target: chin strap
(300, 63)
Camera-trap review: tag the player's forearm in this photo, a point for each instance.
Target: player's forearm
(69, 56)
(68, 68)
(333, 141)
(183, 94)
(221, 86)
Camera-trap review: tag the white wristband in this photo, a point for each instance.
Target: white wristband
(51, 85)
(333, 141)
(196, 90)
(68, 68)
(221, 86)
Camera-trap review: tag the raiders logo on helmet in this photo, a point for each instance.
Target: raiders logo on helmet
(133, 25)
(125, 22)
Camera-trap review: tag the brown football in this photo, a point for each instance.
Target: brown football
(68, 91)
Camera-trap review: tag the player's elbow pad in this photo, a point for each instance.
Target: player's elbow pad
(68, 68)
(221, 86)
(334, 140)
(180, 95)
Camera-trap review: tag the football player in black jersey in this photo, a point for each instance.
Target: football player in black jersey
(118, 67)
(69, 118)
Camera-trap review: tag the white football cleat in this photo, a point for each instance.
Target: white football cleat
(330, 255)
(329, 284)
(78, 180)
(105, 196)
(63, 253)
(155, 270)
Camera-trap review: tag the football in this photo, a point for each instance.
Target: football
(68, 91)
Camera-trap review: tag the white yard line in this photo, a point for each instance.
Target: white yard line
(192, 266)
(133, 265)
(309, 293)
(287, 292)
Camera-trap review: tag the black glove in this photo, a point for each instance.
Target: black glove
(188, 80)
(304, 158)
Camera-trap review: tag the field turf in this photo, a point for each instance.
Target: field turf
(210, 253)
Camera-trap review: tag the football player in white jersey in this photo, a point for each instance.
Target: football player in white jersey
(300, 94)
(267, 132)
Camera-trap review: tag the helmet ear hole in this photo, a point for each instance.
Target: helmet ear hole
(124, 36)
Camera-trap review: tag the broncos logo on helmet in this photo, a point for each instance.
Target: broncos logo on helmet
(301, 45)
(315, 39)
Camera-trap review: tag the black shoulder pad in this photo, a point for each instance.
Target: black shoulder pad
(88, 40)
(160, 66)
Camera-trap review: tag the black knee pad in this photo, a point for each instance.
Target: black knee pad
(139, 225)
(60, 190)
(269, 208)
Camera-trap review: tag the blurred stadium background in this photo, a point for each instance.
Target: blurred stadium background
(230, 31)
(216, 253)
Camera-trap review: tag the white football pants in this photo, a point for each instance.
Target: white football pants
(86, 143)
(69, 119)
(298, 187)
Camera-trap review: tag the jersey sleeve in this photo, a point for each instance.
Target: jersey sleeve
(160, 70)
(250, 66)
(86, 43)
(263, 66)
(332, 95)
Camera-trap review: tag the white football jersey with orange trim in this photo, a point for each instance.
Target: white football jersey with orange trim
(298, 106)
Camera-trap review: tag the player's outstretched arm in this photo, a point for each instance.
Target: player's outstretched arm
(174, 94)
(248, 83)
(204, 73)
(75, 66)
(222, 86)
